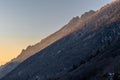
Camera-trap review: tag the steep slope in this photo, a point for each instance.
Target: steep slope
(86, 54)
(104, 58)
(72, 26)
(67, 29)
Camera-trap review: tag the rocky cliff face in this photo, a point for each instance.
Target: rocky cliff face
(90, 52)
(31, 50)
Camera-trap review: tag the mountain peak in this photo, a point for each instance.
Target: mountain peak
(74, 19)
(87, 14)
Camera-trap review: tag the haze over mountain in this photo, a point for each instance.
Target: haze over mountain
(91, 51)
(31, 50)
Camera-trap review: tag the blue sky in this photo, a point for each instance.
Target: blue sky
(26, 22)
(41, 17)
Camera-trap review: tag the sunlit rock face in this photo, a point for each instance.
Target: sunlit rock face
(87, 14)
(72, 26)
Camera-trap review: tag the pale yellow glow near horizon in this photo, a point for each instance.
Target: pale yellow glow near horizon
(22, 21)
(12, 47)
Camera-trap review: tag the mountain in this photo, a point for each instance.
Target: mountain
(90, 52)
(31, 50)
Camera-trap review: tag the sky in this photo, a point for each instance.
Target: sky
(26, 22)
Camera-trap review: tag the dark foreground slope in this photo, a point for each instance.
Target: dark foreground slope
(91, 53)
(31, 50)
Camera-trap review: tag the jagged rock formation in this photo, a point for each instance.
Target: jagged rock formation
(88, 53)
(72, 26)
(87, 14)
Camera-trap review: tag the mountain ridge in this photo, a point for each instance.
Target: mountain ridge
(31, 50)
(89, 53)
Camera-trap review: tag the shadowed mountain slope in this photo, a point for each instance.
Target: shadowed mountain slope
(90, 52)
(67, 29)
